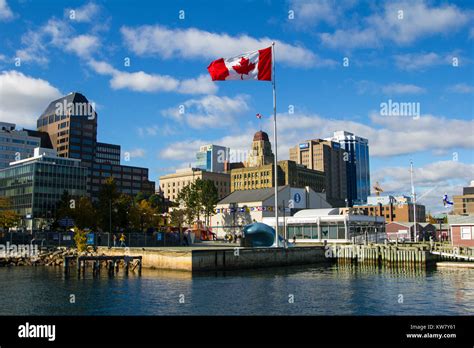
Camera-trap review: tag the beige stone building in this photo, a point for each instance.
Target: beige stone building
(328, 157)
(464, 204)
(289, 173)
(172, 184)
(261, 153)
(259, 170)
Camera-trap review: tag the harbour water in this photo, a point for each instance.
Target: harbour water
(302, 290)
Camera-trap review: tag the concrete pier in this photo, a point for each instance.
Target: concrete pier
(220, 259)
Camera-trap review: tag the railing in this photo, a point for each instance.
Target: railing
(66, 239)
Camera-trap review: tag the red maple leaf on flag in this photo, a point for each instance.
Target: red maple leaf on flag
(244, 68)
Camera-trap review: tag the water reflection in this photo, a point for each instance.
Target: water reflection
(331, 289)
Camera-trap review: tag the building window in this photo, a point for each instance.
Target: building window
(466, 233)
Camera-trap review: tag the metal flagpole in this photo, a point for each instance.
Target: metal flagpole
(275, 143)
(414, 201)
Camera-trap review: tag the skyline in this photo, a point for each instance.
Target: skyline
(409, 60)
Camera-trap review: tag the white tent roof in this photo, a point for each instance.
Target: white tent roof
(316, 212)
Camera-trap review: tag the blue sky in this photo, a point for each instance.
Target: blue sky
(406, 51)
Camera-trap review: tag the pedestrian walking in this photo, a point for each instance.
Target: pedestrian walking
(122, 240)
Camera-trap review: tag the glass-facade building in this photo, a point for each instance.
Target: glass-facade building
(319, 225)
(357, 165)
(35, 185)
(15, 144)
(212, 158)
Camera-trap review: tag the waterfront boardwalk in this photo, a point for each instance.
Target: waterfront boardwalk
(222, 256)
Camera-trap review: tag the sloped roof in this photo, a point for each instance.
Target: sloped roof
(243, 196)
(74, 97)
(461, 219)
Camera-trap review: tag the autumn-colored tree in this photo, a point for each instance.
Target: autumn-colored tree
(8, 217)
(80, 238)
(144, 216)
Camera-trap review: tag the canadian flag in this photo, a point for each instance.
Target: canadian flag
(255, 65)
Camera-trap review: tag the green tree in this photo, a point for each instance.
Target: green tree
(209, 197)
(123, 209)
(64, 206)
(198, 197)
(107, 208)
(177, 218)
(188, 202)
(84, 214)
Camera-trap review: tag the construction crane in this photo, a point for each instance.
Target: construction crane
(377, 189)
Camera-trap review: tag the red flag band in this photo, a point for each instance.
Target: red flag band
(255, 65)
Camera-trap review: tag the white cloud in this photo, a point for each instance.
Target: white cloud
(431, 181)
(57, 34)
(182, 151)
(158, 40)
(420, 20)
(5, 11)
(84, 13)
(209, 111)
(83, 45)
(399, 88)
(185, 151)
(388, 136)
(141, 81)
(313, 12)
(413, 61)
(136, 153)
(462, 88)
(24, 97)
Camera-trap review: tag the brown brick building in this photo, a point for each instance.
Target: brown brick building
(464, 204)
(328, 157)
(392, 212)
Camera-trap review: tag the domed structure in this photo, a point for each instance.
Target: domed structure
(260, 136)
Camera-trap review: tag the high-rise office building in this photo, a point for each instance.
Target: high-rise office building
(71, 122)
(357, 164)
(15, 144)
(328, 157)
(212, 158)
(34, 185)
